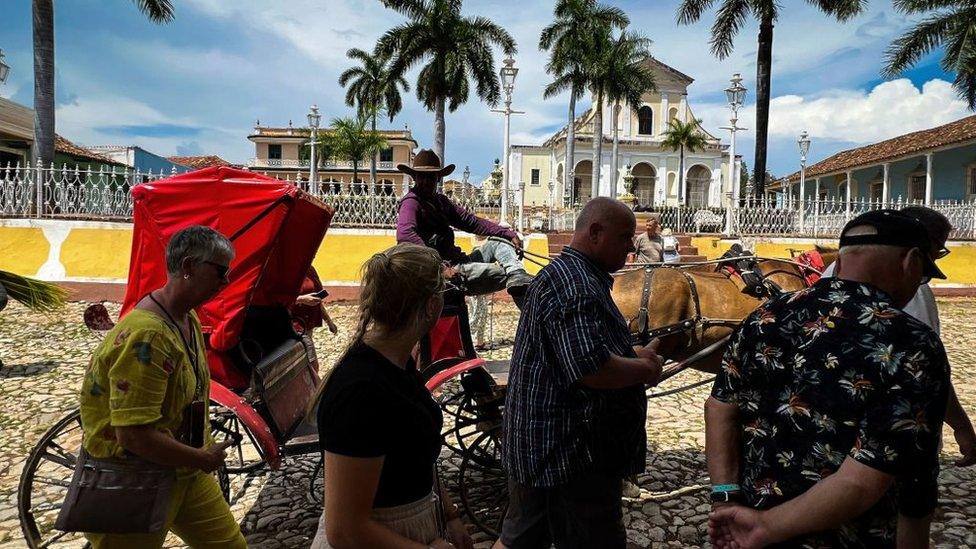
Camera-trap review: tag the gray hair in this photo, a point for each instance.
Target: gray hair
(198, 244)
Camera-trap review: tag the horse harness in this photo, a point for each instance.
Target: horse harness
(697, 324)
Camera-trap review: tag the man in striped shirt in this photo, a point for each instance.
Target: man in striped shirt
(575, 407)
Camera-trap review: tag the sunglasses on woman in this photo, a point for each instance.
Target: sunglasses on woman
(221, 269)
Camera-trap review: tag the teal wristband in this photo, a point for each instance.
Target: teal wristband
(716, 488)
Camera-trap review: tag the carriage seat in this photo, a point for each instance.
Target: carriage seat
(743, 269)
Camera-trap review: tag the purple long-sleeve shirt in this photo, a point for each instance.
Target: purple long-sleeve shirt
(427, 221)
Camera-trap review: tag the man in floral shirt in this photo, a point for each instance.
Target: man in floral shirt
(827, 413)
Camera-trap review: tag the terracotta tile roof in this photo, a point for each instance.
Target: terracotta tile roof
(197, 162)
(64, 146)
(904, 145)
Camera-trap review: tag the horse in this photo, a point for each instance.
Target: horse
(696, 307)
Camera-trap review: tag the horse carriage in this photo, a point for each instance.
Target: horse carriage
(264, 368)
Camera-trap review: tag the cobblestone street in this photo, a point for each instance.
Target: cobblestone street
(44, 357)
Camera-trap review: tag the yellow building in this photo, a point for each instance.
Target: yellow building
(277, 154)
(640, 133)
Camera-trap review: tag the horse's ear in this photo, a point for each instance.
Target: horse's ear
(824, 249)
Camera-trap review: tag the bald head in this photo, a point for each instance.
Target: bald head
(603, 210)
(605, 232)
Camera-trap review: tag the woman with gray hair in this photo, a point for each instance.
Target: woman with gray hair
(144, 406)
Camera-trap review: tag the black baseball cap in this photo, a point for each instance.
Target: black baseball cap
(893, 228)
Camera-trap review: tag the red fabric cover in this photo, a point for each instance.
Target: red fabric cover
(445, 339)
(814, 260)
(272, 256)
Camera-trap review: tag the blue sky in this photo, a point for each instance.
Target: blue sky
(197, 85)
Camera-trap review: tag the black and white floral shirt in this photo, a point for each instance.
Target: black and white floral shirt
(829, 372)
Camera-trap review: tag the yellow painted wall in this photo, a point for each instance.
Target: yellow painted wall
(22, 249)
(97, 253)
(538, 194)
(103, 252)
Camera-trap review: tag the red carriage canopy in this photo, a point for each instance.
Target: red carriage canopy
(276, 229)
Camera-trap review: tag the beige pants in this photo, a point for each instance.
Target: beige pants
(418, 521)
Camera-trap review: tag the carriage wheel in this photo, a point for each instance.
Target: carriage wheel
(482, 483)
(242, 457)
(461, 425)
(44, 482)
(49, 466)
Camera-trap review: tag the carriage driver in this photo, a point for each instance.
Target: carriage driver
(427, 218)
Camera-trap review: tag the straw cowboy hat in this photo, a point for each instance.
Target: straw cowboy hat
(426, 161)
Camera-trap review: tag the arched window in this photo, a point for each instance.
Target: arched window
(645, 121)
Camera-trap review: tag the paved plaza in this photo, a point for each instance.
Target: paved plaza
(44, 357)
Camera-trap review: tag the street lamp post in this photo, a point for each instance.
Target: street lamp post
(313, 123)
(735, 94)
(4, 69)
(804, 143)
(507, 74)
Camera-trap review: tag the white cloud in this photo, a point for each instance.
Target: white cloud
(854, 116)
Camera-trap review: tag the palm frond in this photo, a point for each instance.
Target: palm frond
(36, 295)
(158, 11)
(692, 10)
(921, 39)
(728, 22)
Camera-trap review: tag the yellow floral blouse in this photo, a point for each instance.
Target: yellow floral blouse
(140, 375)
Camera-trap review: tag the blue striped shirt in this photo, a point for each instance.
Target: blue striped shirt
(555, 428)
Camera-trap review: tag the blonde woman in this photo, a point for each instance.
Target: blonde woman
(379, 428)
(144, 398)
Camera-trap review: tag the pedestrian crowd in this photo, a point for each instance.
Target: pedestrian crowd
(823, 427)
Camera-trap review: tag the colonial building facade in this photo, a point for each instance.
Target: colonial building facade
(654, 169)
(278, 153)
(931, 165)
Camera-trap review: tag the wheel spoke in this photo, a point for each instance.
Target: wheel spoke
(63, 457)
(58, 536)
(53, 481)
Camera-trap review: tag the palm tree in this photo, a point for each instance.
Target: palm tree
(612, 62)
(683, 136)
(351, 139)
(631, 78)
(42, 153)
(732, 15)
(569, 39)
(371, 87)
(456, 51)
(949, 29)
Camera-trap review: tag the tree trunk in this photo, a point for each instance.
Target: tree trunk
(614, 168)
(682, 192)
(597, 145)
(764, 63)
(42, 152)
(372, 162)
(569, 170)
(355, 178)
(439, 129)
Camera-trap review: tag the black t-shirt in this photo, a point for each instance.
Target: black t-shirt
(372, 408)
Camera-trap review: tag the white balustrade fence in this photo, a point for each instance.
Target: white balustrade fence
(74, 193)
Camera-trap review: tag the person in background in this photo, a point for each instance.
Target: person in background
(649, 245)
(428, 218)
(575, 407)
(309, 307)
(141, 383)
(924, 308)
(672, 249)
(379, 427)
(823, 425)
